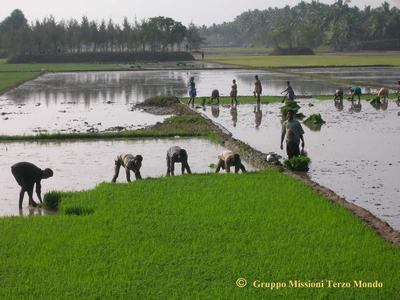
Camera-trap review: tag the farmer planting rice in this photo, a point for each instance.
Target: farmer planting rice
(383, 93)
(228, 159)
(338, 95)
(130, 163)
(355, 91)
(214, 96)
(289, 91)
(177, 155)
(293, 131)
(27, 175)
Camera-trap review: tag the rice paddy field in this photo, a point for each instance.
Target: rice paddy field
(194, 237)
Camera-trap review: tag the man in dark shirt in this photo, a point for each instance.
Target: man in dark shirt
(177, 155)
(27, 175)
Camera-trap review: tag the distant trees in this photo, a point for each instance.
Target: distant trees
(48, 36)
(308, 24)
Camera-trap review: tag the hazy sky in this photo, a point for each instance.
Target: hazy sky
(198, 11)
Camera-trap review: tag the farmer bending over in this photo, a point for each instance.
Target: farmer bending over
(227, 159)
(130, 163)
(177, 155)
(355, 91)
(383, 93)
(27, 175)
(339, 95)
(214, 96)
(293, 131)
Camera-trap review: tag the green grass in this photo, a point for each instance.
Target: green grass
(225, 100)
(191, 237)
(10, 79)
(307, 60)
(181, 125)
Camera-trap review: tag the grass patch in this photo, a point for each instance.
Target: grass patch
(307, 61)
(160, 101)
(314, 119)
(226, 100)
(11, 79)
(192, 237)
(190, 125)
(298, 163)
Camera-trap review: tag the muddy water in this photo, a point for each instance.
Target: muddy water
(83, 165)
(356, 154)
(99, 101)
(388, 76)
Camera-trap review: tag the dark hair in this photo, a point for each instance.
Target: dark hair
(256, 77)
(288, 82)
(139, 158)
(183, 154)
(48, 173)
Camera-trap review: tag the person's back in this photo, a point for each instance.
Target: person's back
(26, 173)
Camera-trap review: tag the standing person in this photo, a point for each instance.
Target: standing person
(129, 163)
(177, 155)
(355, 91)
(202, 55)
(234, 93)
(293, 131)
(27, 175)
(289, 92)
(227, 159)
(192, 91)
(257, 89)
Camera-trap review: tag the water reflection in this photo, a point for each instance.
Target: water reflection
(234, 115)
(339, 104)
(258, 116)
(355, 107)
(215, 110)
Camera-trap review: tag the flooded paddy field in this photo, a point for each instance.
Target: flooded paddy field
(356, 153)
(388, 76)
(99, 101)
(81, 165)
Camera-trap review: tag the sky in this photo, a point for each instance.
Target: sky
(197, 11)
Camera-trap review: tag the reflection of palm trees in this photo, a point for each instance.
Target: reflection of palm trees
(215, 111)
(258, 115)
(234, 115)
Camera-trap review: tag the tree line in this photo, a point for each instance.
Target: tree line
(47, 36)
(309, 24)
